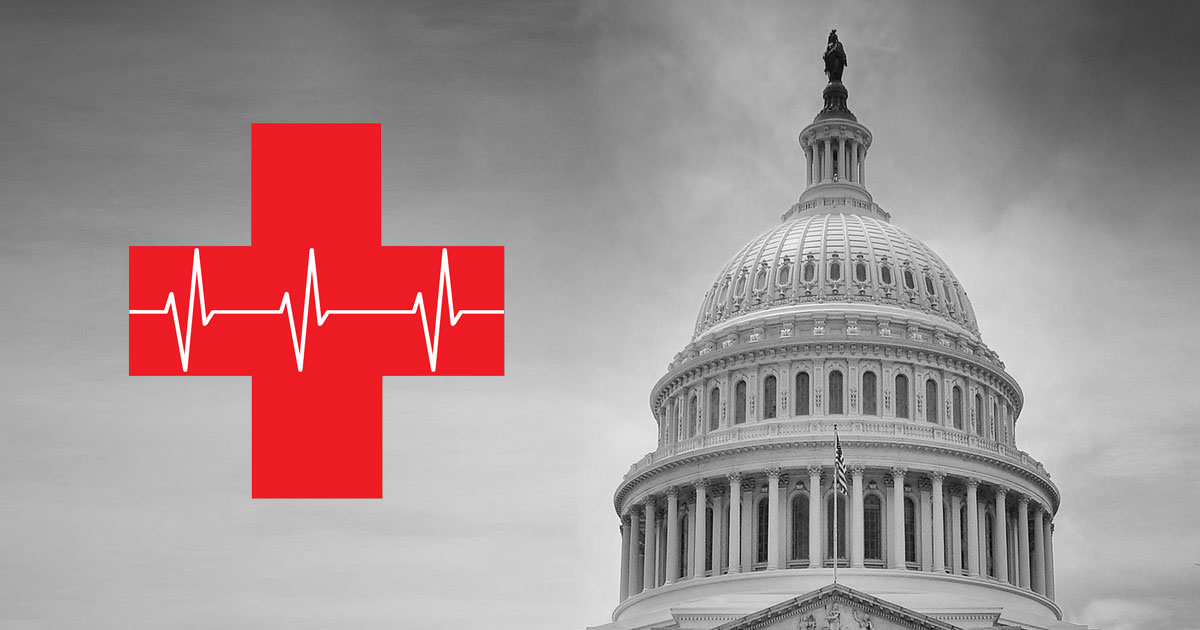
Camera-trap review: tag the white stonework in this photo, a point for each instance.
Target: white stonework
(836, 318)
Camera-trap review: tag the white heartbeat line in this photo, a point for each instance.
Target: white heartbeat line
(312, 291)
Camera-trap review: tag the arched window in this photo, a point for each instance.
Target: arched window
(931, 401)
(958, 407)
(901, 396)
(835, 271)
(691, 419)
(885, 274)
(910, 530)
(800, 527)
(684, 534)
(801, 394)
(714, 409)
(835, 392)
(708, 539)
(910, 282)
(841, 525)
(760, 547)
(769, 397)
(739, 403)
(978, 414)
(810, 271)
(872, 527)
(860, 271)
(870, 393)
(929, 288)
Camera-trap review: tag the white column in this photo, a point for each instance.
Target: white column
(748, 533)
(1039, 551)
(956, 526)
(982, 542)
(972, 528)
(651, 539)
(925, 526)
(855, 531)
(827, 161)
(782, 530)
(808, 163)
(817, 156)
(701, 521)
(939, 525)
(1049, 536)
(841, 168)
(814, 516)
(661, 552)
(853, 173)
(735, 523)
(635, 567)
(897, 518)
(1023, 541)
(862, 167)
(772, 518)
(1000, 534)
(672, 535)
(624, 557)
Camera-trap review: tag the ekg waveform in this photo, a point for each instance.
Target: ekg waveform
(312, 293)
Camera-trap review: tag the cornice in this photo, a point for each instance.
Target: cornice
(782, 443)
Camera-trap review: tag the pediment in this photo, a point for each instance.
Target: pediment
(836, 607)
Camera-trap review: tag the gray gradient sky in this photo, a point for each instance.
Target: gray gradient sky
(621, 152)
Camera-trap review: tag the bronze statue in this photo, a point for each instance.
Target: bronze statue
(835, 58)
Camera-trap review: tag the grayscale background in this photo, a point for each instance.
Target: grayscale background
(621, 152)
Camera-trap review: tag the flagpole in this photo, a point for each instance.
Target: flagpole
(835, 508)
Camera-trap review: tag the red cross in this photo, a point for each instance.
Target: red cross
(317, 369)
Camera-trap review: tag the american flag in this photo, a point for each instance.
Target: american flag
(839, 464)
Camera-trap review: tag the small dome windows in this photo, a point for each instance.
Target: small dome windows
(760, 278)
(810, 271)
(724, 293)
(783, 277)
(838, 258)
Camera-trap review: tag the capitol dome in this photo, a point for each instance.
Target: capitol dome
(835, 331)
(828, 255)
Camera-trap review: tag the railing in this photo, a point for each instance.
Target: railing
(818, 429)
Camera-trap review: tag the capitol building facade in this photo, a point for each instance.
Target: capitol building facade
(836, 320)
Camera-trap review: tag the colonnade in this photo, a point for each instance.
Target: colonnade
(843, 157)
(773, 519)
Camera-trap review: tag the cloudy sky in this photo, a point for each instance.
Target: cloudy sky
(620, 152)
